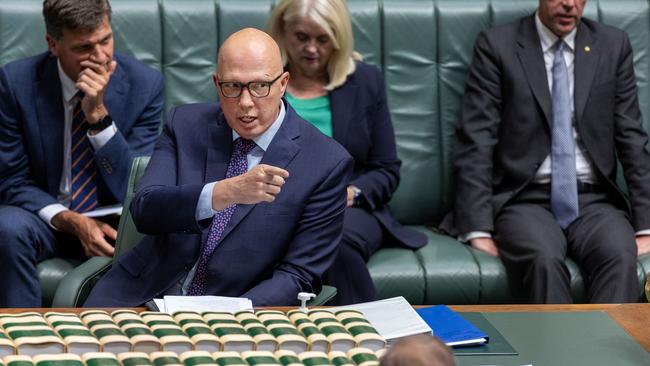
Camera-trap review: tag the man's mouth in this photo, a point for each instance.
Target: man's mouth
(247, 119)
(565, 18)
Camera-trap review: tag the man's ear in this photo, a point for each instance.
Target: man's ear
(284, 81)
(52, 45)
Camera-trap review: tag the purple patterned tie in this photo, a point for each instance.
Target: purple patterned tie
(238, 165)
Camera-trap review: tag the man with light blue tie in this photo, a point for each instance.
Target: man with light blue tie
(71, 120)
(242, 198)
(550, 104)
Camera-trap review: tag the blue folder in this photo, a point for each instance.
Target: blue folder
(450, 327)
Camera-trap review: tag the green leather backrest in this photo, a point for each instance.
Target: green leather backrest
(127, 235)
(424, 48)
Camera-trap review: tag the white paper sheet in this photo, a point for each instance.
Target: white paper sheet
(393, 318)
(205, 303)
(160, 303)
(104, 211)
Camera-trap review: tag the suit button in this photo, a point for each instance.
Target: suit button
(107, 166)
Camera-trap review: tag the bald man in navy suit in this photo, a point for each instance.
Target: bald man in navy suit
(262, 222)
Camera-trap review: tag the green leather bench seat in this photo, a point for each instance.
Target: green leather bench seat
(424, 48)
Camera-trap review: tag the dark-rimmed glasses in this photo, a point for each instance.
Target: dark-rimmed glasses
(257, 89)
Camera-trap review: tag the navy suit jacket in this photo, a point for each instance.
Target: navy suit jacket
(269, 251)
(32, 128)
(361, 123)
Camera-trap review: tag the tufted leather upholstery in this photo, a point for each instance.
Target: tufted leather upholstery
(424, 48)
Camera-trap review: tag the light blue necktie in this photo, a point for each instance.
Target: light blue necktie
(564, 187)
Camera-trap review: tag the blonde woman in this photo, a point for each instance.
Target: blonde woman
(345, 99)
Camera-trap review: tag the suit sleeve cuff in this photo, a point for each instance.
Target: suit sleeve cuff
(48, 212)
(204, 206)
(100, 139)
(474, 235)
(643, 232)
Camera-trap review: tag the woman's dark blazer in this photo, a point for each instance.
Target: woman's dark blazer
(361, 123)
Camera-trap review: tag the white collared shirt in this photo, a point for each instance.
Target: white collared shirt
(69, 91)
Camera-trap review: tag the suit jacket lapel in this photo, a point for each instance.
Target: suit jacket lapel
(342, 103)
(49, 109)
(115, 95)
(219, 149)
(280, 152)
(586, 61)
(532, 62)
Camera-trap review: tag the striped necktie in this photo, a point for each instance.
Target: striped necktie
(83, 171)
(238, 165)
(564, 186)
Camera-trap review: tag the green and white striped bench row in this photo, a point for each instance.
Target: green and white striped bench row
(125, 330)
(354, 357)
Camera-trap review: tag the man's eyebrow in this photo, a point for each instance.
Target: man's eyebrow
(86, 44)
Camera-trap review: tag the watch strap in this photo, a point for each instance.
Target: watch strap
(106, 121)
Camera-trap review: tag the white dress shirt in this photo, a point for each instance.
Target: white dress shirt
(69, 91)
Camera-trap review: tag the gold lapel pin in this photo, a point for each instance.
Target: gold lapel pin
(587, 49)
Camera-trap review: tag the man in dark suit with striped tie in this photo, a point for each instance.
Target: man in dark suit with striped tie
(71, 119)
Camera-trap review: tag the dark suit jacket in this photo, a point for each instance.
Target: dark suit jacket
(31, 129)
(269, 251)
(504, 131)
(362, 124)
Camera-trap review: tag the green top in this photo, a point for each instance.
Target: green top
(316, 111)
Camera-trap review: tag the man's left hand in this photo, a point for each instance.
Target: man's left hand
(93, 81)
(643, 244)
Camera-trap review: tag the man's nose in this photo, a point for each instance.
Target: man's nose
(98, 55)
(245, 98)
(569, 3)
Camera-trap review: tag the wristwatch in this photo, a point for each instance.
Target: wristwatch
(356, 200)
(106, 121)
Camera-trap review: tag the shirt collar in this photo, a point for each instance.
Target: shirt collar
(548, 38)
(68, 86)
(264, 140)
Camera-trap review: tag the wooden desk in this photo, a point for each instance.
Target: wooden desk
(633, 318)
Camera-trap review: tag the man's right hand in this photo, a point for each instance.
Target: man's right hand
(260, 184)
(91, 233)
(93, 81)
(487, 245)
